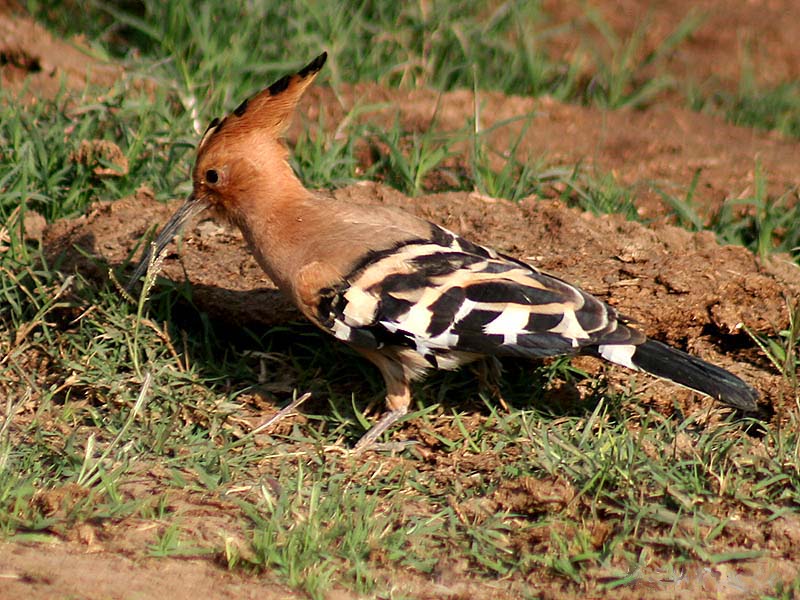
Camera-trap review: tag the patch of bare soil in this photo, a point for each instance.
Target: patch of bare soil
(761, 33)
(33, 61)
(70, 570)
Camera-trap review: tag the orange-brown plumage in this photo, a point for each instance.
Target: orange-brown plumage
(409, 295)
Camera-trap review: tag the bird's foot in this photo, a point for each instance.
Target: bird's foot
(388, 419)
(287, 410)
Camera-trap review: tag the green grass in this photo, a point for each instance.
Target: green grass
(624, 75)
(763, 223)
(206, 55)
(775, 108)
(40, 143)
(99, 394)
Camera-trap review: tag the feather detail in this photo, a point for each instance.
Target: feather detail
(445, 294)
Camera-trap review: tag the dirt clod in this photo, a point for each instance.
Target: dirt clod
(531, 496)
(103, 157)
(35, 63)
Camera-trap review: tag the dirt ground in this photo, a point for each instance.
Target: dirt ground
(684, 288)
(33, 61)
(67, 570)
(730, 35)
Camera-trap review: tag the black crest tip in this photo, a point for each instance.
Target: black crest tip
(242, 108)
(314, 66)
(280, 85)
(310, 69)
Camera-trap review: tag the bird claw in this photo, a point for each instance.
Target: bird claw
(391, 447)
(388, 419)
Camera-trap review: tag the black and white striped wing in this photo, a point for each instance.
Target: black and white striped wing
(447, 295)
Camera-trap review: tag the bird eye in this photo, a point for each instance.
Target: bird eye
(212, 176)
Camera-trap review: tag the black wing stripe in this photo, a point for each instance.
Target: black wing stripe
(374, 257)
(543, 322)
(446, 297)
(392, 309)
(511, 292)
(541, 345)
(475, 321)
(594, 315)
(444, 310)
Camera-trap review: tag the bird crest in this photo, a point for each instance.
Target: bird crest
(267, 112)
(242, 158)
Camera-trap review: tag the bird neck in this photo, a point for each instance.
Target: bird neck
(283, 231)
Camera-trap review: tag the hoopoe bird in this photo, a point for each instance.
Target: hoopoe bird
(407, 294)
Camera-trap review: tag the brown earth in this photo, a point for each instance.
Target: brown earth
(34, 62)
(68, 570)
(682, 287)
(731, 34)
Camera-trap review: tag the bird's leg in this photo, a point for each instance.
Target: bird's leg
(490, 373)
(398, 399)
(282, 414)
(388, 419)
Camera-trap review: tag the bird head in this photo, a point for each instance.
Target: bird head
(241, 159)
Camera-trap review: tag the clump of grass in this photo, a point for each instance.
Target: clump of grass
(783, 349)
(684, 209)
(315, 525)
(328, 161)
(624, 76)
(517, 179)
(775, 109)
(39, 169)
(406, 160)
(761, 222)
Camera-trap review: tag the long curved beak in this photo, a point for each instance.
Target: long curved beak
(191, 207)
